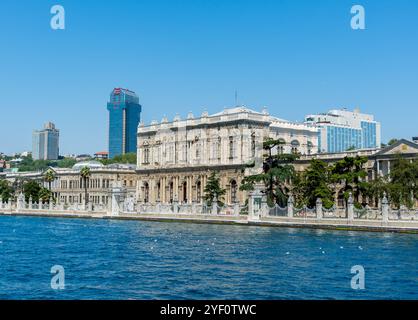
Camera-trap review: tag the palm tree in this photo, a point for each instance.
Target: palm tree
(85, 174)
(49, 177)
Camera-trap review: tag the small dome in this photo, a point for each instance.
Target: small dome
(88, 164)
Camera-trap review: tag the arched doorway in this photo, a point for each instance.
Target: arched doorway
(158, 191)
(146, 192)
(184, 192)
(171, 191)
(199, 191)
(233, 191)
(341, 199)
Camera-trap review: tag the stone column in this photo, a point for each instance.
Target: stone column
(162, 190)
(253, 214)
(385, 209)
(215, 206)
(290, 202)
(264, 206)
(20, 202)
(350, 208)
(319, 213)
(30, 203)
(50, 204)
(175, 188)
(236, 209)
(175, 205)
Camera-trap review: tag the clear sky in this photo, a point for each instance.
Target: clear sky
(293, 56)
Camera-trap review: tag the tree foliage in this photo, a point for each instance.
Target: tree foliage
(6, 190)
(213, 190)
(49, 177)
(278, 171)
(351, 173)
(403, 186)
(28, 164)
(314, 183)
(85, 175)
(128, 158)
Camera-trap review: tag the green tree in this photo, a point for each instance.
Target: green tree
(278, 171)
(392, 141)
(376, 188)
(45, 195)
(66, 163)
(6, 190)
(351, 173)
(316, 184)
(31, 188)
(403, 186)
(213, 190)
(85, 175)
(128, 158)
(49, 177)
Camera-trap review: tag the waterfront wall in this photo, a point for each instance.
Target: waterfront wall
(257, 212)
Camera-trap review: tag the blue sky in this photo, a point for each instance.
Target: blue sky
(293, 56)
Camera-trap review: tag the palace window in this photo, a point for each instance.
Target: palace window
(197, 150)
(231, 148)
(199, 191)
(295, 146)
(280, 148)
(146, 192)
(218, 152)
(158, 191)
(234, 191)
(253, 145)
(146, 155)
(310, 147)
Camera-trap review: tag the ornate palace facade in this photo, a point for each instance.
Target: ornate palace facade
(68, 186)
(176, 158)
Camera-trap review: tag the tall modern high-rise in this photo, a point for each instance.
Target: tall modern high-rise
(45, 143)
(341, 130)
(124, 117)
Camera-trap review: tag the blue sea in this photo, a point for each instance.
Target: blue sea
(119, 259)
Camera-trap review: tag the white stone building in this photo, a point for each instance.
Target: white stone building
(175, 158)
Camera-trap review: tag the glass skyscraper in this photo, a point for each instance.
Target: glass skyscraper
(341, 130)
(45, 143)
(124, 117)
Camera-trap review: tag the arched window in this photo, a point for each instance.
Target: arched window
(310, 147)
(197, 146)
(158, 191)
(231, 147)
(253, 145)
(199, 192)
(218, 146)
(280, 147)
(184, 192)
(146, 192)
(234, 190)
(171, 191)
(295, 146)
(341, 199)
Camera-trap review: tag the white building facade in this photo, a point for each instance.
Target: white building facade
(341, 130)
(175, 158)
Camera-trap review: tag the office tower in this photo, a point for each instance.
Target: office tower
(342, 130)
(124, 116)
(45, 143)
